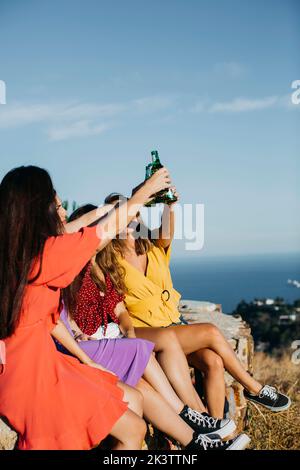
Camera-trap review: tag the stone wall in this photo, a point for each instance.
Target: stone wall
(238, 334)
(8, 437)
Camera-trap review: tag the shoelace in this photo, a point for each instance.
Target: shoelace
(201, 419)
(269, 392)
(205, 442)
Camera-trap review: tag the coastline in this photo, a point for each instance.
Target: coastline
(227, 280)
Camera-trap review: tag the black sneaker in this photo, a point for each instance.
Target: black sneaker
(226, 409)
(213, 442)
(270, 398)
(203, 423)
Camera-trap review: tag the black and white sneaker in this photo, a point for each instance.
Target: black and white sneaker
(270, 398)
(213, 442)
(226, 409)
(203, 423)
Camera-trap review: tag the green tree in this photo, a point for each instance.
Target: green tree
(66, 205)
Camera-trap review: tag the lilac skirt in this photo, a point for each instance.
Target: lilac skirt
(127, 358)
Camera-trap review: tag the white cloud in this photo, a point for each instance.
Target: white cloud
(239, 105)
(73, 120)
(88, 111)
(70, 120)
(15, 115)
(153, 103)
(76, 129)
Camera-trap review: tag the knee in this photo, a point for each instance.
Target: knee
(144, 387)
(135, 399)
(213, 332)
(138, 398)
(171, 339)
(212, 363)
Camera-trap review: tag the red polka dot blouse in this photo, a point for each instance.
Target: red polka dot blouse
(94, 308)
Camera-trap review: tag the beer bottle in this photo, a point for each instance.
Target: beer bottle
(166, 196)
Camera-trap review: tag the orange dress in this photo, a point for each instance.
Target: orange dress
(51, 399)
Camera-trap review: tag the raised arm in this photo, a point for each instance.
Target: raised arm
(64, 256)
(88, 219)
(164, 234)
(116, 220)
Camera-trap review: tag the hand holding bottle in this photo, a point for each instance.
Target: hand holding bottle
(165, 196)
(158, 181)
(176, 197)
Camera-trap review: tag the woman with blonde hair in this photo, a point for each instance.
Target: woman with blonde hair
(96, 297)
(152, 303)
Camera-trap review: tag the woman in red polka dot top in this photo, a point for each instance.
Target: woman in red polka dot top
(93, 304)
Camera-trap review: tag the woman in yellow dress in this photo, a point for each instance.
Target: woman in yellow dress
(152, 303)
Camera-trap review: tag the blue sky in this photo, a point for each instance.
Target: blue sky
(93, 86)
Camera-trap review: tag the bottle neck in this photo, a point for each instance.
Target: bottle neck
(155, 157)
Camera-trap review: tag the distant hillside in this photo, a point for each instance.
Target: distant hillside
(274, 323)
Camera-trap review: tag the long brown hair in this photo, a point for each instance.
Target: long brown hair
(106, 262)
(28, 216)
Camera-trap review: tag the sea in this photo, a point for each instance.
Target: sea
(227, 280)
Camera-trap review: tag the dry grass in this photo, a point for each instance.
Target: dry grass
(276, 431)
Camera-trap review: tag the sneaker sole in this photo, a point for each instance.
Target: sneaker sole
(275, 409)
(226, 430)
(240, 443)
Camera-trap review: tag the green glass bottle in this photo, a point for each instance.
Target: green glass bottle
(166, 196)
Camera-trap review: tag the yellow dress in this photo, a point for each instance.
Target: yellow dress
(151, 299)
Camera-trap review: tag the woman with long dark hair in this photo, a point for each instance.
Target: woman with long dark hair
(52, 400)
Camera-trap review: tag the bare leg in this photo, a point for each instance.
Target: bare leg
(174, 363)
(155, 376)
(129, 431)
(158, 412)
(212, 367)
(205, 335)
(133, 397)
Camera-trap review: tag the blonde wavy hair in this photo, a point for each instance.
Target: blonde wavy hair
(105, 262)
